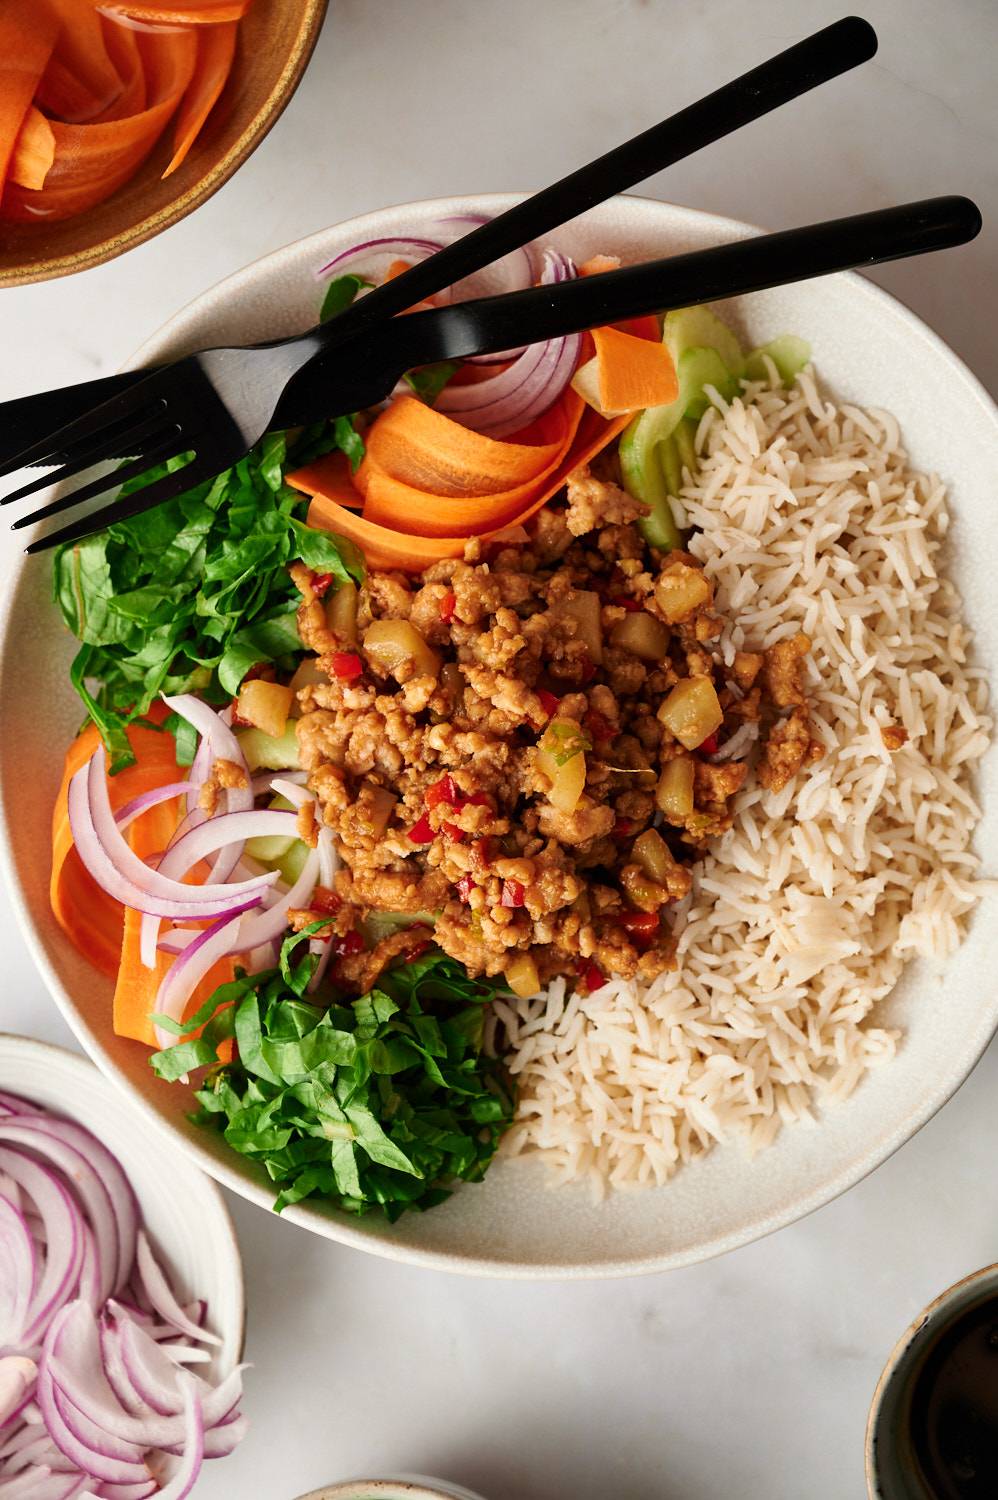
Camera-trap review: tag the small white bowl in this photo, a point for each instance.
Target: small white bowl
(868, 349)
(405, 1487)
(181, 1208)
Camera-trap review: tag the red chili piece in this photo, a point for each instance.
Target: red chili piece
(624, 601)
(448, 606)
(421, 832)
(482, 853)
(592, 976)
(477, 799)
(464, 887)
(443, 790)
(320, 584)
(453, 832)
(325, 901)
(350, 942)
(709, 745)
(588, 669)
(623, 828)
(599, 725)
(642, 926)
(512, 893)
(347, 664)
(549, 702)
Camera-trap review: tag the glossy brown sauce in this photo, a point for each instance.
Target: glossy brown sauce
(954, 1408)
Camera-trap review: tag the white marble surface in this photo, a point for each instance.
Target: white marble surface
(748, 1377)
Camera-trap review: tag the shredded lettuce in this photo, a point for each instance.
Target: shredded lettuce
(381, 1103)
(189, 596)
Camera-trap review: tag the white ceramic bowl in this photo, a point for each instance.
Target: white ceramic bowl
(869, 349)
(182, 1209)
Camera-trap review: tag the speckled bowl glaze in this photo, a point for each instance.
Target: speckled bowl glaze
(869, 349)
(891, 1466)
(405, 1487)
(183, 1211)
(275, 41)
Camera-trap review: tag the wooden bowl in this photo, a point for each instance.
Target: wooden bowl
(275, 42)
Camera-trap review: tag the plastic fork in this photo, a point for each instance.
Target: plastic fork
(220, 404)
(34, 421)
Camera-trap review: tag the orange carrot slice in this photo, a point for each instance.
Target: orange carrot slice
(327, 482)
(434, 508)
(93, 161)
(123, 50)
(211, 14)
(428, 450)
(27, 36)
(633, 373)
(34, 151)
(81, 80)
(90, 918)
(136, 988)
(216, 48)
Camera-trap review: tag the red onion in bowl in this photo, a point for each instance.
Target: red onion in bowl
(79, 1414)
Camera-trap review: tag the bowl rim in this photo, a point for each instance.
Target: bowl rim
(918, 1323)
(48, 268)
(177, 1160)
(350, 1233)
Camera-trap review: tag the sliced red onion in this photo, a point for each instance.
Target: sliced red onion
(120, 872)
(529, 386)
(117, 1186)
(138, 805)
(291, 791)
(218, 832)
(265, 781)
(187, 971)
(62, 1222)
(328, 861)
(370, 252)
(73, 1423)
(17, 1384)
(216, 732)
(184, 1354)
(185, 1477)
(268, 925)
(18, 1270)
(89, 1187)
(157, 1289)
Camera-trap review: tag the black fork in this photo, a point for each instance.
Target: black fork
(226, 406)
(117, 416)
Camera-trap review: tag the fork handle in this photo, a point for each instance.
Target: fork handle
(815, 60)
(490, 324)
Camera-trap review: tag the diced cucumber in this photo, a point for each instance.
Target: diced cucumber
(684, 436)
(699, 328)
(698, 368)
(788, 353)
(292, 863)
(672, 472)
(381, 924)
(264, 752)
(271, 848)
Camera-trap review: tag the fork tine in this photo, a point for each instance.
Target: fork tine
(132, 470)
(141, 439)
(96, 428)
(150, 495)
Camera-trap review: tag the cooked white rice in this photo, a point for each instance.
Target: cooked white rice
(803, 916)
